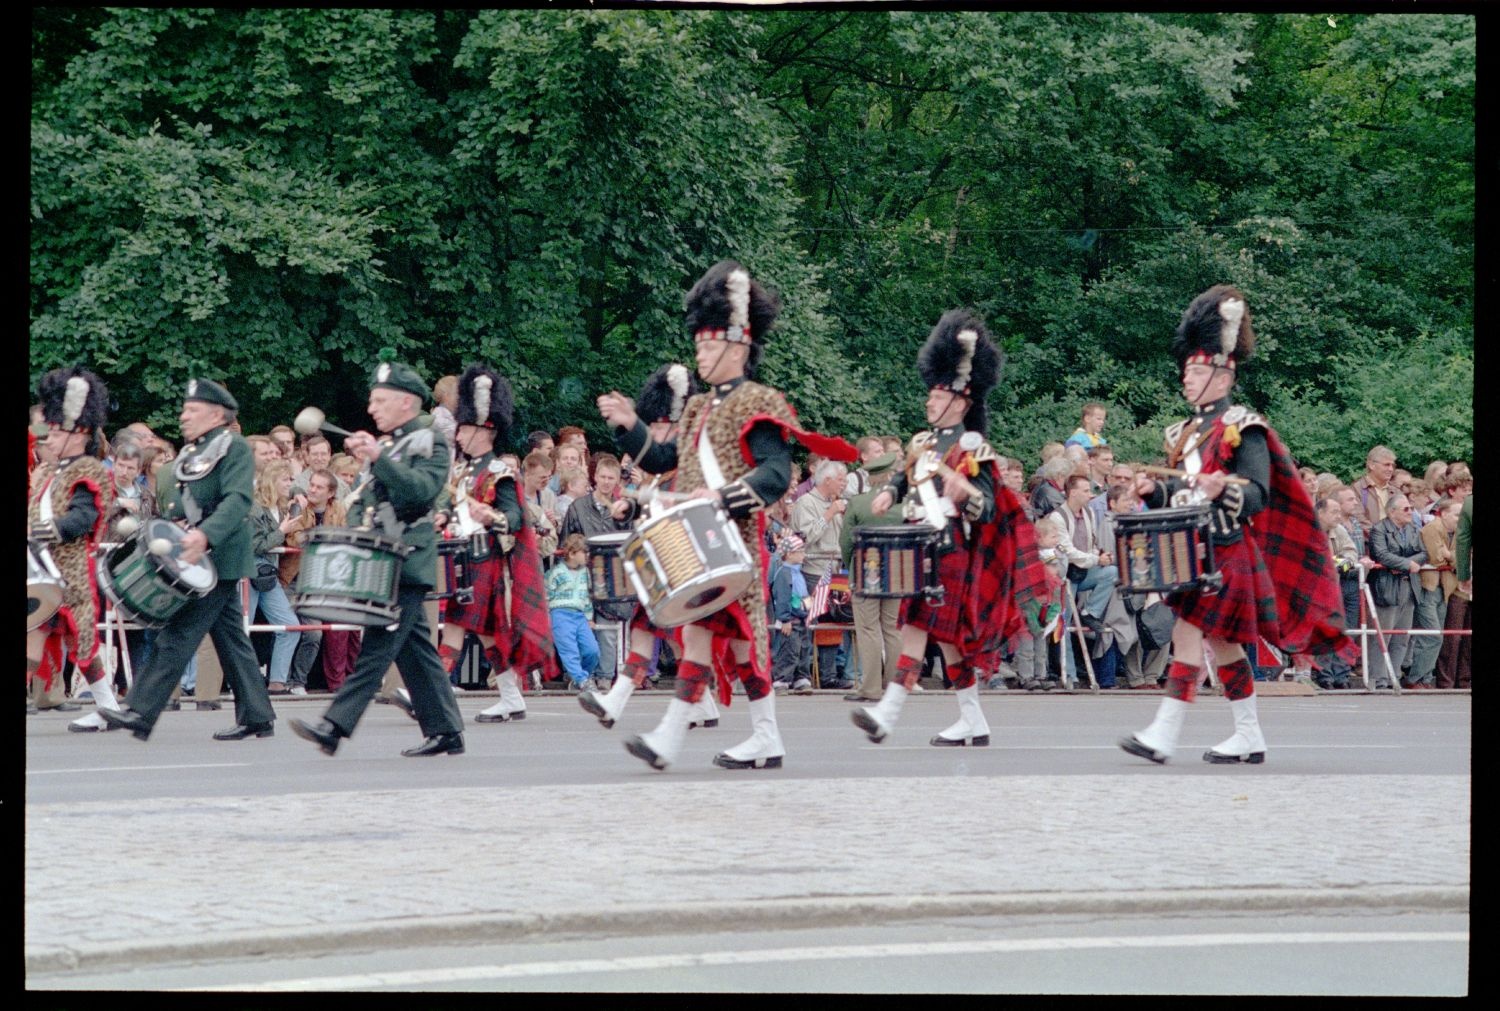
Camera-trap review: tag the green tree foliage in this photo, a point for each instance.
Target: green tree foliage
(270, 196)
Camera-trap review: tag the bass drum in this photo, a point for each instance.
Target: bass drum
(687, 562)
(148, 587)
(44, 586)
(349, 576)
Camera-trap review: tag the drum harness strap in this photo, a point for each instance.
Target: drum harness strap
(192, 467)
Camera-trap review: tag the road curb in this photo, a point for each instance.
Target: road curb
(750, 914)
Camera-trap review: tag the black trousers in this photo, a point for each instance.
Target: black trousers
(410, 647)
(217, 615)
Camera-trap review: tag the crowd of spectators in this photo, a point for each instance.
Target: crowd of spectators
(1405, 537)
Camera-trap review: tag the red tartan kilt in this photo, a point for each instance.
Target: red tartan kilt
(479, 615)
(942, 621)
(730, 622)
(1244, 609)
(640, 620)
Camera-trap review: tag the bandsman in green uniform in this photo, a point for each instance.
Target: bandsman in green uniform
(407, 472)
(213, 478)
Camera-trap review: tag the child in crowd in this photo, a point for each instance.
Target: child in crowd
(1042, 616)
(571, 607)
(572, 482)
(791, 640)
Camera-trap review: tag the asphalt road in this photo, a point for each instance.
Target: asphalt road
(236, 857)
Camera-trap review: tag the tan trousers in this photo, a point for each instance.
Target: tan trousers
(877, 635)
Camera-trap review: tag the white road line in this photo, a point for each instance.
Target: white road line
(137, 768)
(648, 963)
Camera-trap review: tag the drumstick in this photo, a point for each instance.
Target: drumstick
(1171, 472)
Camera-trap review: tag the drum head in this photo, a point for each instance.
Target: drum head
(42, 601)
(198, 578)
(357, 537)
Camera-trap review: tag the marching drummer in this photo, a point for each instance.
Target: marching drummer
(988, 567)
(660, 407)
(1278, 578)
(512, 626)
(69, 505)
(214, 478)
(404, 473)
(737, 455)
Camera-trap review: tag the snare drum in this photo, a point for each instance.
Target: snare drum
(148, 588)
(687, 562)
(1165, 550)
(895, 561)
(455, 581)
(608, 583)
(44, 585)
(349, 576)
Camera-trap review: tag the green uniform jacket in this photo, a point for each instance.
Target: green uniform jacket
(858, 515)
(1463, 543)
(224, 495)
(411, 473)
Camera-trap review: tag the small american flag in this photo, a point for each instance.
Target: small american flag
(820, 597)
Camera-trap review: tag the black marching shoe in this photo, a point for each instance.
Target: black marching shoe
(438, 744)
(244, 730)
(591, 705)
(324, 734)
(1136, 747)
(127, 719)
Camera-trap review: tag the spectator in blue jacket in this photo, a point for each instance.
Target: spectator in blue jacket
(791, 641)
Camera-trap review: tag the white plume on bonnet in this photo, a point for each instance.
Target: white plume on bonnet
(737, 286)
(482, 386)
(967, 339)
(677, 379)
(74, 398)
(1231, 311)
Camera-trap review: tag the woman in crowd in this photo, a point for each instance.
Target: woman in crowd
(272, 517)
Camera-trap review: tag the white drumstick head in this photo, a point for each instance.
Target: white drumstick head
(127, 526)
(160, 545)
(308, 421)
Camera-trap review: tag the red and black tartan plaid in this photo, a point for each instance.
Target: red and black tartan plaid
(480, 615)
(987, 582)
(640, 620)
(530, 641)
(1308, 605)
(1245, 606)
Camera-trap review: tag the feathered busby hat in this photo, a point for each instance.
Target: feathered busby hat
(74, 399)
(665, 394)
(961, 356)
(1215, 330)
(727, 304)
(484, 399)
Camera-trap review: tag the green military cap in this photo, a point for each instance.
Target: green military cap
(881, 464)
(209, 392)
(391, 375)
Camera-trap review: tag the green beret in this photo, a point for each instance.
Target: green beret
(209, 392)
(881, 464)
(399, 376)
